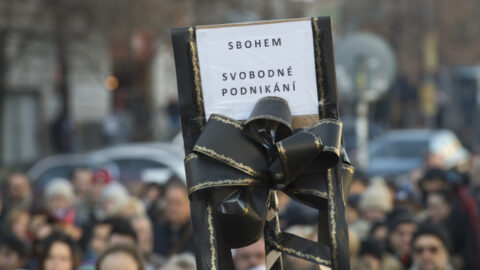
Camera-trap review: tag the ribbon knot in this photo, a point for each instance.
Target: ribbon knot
(235, 166)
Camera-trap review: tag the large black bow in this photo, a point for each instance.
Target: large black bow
(236, 166)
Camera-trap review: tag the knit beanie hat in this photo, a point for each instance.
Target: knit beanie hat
(399, 216)
(376, 197)
(59, 187)
(433, 230)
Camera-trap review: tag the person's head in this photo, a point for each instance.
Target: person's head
(18, 186)
(82, 181)
(183, 261)
(401, 226)
(100, 236)
(379, 233)
(376, 201)
(60, 253)
(100, 179)
(120, 257)
(17, 222)
(438, 206)
(433, 180)
(430, 248)
(13, 253)
(122, 233)
(177, 208)
(250, 256)
(59, 194)
(371, 254)
(114, 200)
(143, 228)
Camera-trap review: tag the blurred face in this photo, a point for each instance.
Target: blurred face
(9, 260)
(97, 190)
(437, 208)
(435, 184)
(177, 209)
(372, 262)
(100, 237)
(401, 236)
(20, 226)
(250, 256)
(351, 214)
(143, 228)
(119, 261)
(380, 234)
(57, 203)
(429, 253)
(373, 215)
(18, 187)
(60, 257)
(82, 181)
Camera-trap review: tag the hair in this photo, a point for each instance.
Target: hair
(15, 214)
(11, 242)
(123, 227)
(185, 261)
(434, 230)
(59, 187)
(57, 237)
(122, 248)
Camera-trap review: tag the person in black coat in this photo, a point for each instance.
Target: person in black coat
(174, 234)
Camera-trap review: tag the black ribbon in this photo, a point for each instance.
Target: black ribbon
(236, 167)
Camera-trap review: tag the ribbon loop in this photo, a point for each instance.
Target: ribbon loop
(234, 167)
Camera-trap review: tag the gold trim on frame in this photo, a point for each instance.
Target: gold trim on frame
(196, 74)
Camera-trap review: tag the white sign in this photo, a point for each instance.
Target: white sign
(239, 64)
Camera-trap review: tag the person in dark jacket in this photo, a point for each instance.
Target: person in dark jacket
(174, 235)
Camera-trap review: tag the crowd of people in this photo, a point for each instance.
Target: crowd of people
(91, 221)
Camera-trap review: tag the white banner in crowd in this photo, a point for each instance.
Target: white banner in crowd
(242, 63)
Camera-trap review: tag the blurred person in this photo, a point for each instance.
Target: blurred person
(135, 207)
(82, 184)
(114, 200)
(59, 197)
(13, 253)
(143, 228)
(185, 261)
(376, 201)
(152, 198)
(122, 233)
(379, 233)
(354, 248)
(438, 206)
(430, 247)
(101, 178)
(41, 227)
(371, 255)
(174, 235)
(374, 204)
(359, 183)
(352, 213)
(17, 223)
(250, 257)
(433, 180)
(18, 193)
(99, 241)
(60, 253)
(401, 226)
(120, 257)
(463, 223)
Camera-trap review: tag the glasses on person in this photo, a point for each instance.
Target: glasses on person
(432, 249)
